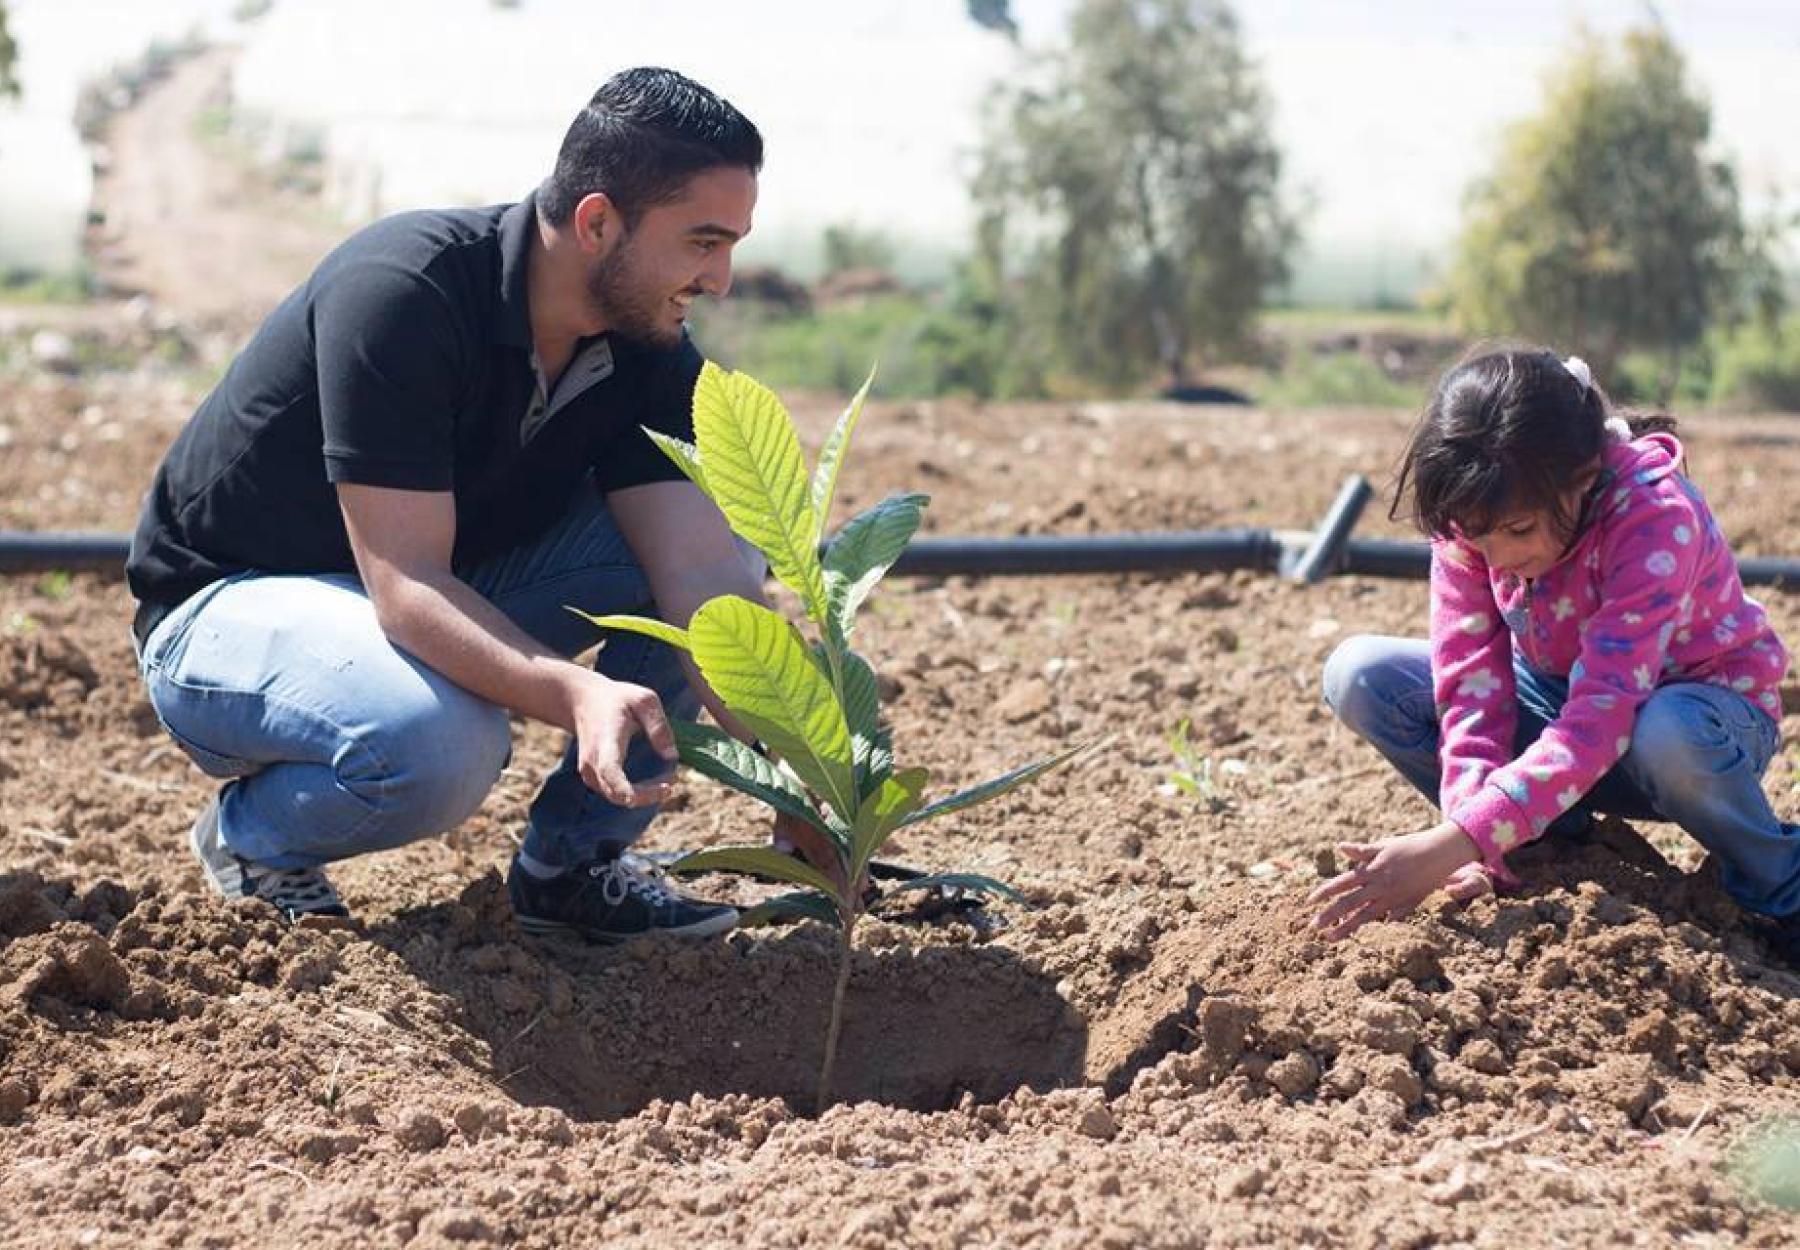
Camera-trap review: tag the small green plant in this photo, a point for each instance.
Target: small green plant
(1767, 1165)
(1193, 772)
(814, 705)
(56, 584)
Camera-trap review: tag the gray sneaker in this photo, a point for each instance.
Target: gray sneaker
(294, 892)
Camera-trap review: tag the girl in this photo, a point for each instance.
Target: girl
(1592, 649)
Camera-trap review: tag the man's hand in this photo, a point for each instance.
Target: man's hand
(1391, 877)
(608, 715)
(791, 835)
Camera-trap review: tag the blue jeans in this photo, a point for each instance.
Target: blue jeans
(334, 742)
(1696, 759)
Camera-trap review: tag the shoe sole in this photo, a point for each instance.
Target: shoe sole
(234, 886)
(710, 927)
(226, 886)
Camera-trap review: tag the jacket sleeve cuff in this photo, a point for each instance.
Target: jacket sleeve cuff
(1495, 824)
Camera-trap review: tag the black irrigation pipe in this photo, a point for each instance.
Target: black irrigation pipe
(1210, 551)
(1199, 550)
(75, 553)
(1326, 550)
(1302, 556)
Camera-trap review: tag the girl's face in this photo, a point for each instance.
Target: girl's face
(1524, 544)
(1529, 544)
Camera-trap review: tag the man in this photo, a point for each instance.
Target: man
(355, 559)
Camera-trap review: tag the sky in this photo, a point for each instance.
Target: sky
(1385, 110)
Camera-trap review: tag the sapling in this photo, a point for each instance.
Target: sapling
(827, 757)
(1193, 773)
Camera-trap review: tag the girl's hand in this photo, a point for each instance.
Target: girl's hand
(1389, 878)
(1469, 881)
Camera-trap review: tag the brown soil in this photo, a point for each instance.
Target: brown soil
(1153, 1052)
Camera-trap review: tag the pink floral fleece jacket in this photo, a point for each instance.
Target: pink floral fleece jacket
(1648, 595)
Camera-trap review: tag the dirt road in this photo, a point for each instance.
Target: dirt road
(190, 222)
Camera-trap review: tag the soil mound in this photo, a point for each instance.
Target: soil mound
(1612, 991)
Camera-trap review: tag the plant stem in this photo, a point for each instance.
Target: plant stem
(837, 1014)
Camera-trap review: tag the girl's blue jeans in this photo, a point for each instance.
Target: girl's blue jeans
(1697, 756)
(334, 742)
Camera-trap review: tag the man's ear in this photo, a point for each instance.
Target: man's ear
(597, 223)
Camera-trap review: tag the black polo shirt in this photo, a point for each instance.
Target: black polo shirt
(404, 361)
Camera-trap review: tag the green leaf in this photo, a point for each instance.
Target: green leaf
(865, 549)
(756, 861)
(1000, 785)
(862, 713)
(757, 476)
(960, 881)
(713, 753)
(881, 756)
(685, 455)
(791, 907)
(831, 455)
(883, 811)
(757, 663)
(660, 630)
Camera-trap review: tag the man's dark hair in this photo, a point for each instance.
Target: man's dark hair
(638, 141)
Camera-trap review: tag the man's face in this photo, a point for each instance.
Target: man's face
(642, 286)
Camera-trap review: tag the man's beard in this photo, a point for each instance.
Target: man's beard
(633, 311)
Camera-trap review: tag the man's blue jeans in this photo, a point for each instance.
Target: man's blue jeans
(334, 742)
(1697, 756)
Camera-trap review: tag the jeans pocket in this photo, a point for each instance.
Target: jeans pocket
(162, 649)
(224, 767)
(169, 698)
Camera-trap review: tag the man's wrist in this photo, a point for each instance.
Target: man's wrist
(569, 684)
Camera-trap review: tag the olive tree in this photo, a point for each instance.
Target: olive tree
(1606, 224)
(1130, 191)
(9, 58)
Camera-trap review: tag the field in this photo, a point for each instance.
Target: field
(1153, 1052)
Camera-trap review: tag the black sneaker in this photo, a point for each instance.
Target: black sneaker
(612, 900)
(1782, 937)
(294, 892)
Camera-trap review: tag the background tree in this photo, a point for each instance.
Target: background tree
(9, 58)
(848, 246)
(1605, 225)
(1132, 180)
(995, 15)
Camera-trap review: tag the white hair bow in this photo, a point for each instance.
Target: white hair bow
(1578, 369)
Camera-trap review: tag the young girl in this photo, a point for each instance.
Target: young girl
(1592, 650)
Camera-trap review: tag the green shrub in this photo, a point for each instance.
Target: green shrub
(1337, 378)
(1758, 368)
(928, 345)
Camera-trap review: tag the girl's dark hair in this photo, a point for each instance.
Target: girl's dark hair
(639, 140)
(1508, 430)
